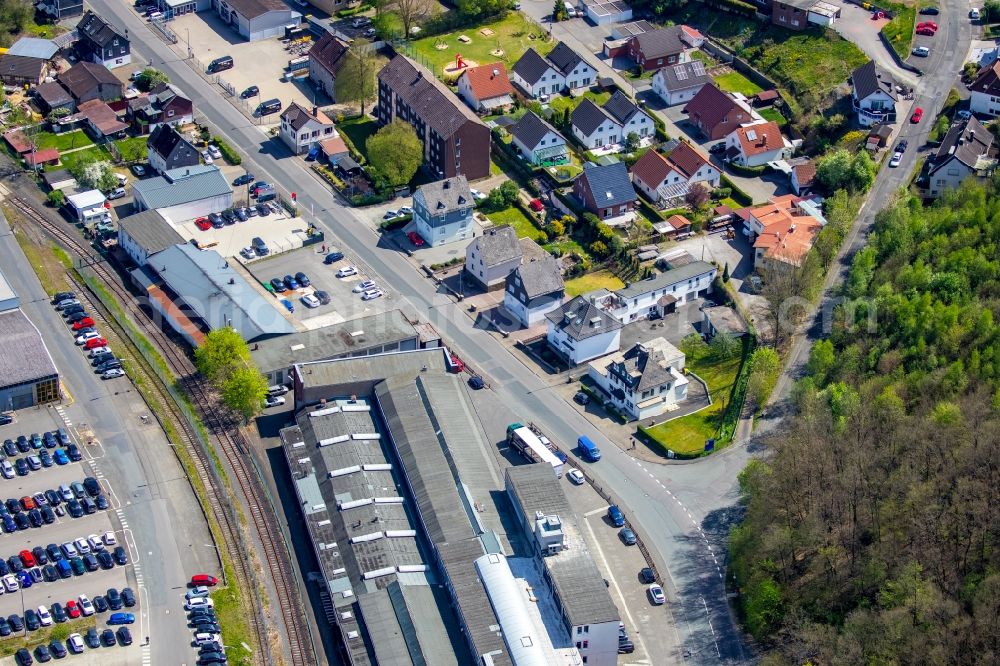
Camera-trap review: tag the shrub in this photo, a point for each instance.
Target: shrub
(228, 153)
(56, 198)
(748, 171)
(737, 194)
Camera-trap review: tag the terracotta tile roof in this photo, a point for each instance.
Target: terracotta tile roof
(488, 81)
(101, 116)
(760, 138)
(687, 159)
(651, 169)
(711, 105)
(170, 309)
(679, 222)
(805, 173)
(334, 146)
(691, 32)
(788, 234)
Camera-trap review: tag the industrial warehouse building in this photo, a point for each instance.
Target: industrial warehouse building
(29, 376)
(258, 19)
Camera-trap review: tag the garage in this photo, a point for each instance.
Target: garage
(257, 19)
(604, 12)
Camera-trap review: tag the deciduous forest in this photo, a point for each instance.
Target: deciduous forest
(871, 533)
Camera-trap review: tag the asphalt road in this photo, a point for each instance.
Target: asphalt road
(683, 511)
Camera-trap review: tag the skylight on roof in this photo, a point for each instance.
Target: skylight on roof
(752, 135)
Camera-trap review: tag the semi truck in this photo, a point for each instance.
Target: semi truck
(529, 442)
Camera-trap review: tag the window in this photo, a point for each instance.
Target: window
(586, 644)
(170, 113)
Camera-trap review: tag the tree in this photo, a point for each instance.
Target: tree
(56, 198)
(566, 114)
(725, 273)
(558, 11)
(632, 142)
(411, 11)
(244, 391)
(941, 126)
(509, 191)
(355, 81)
(149, 78)
(223, 351)
(599, 249)
(822, 359)
(833, 169)
(15, 15)
(472, 9)
(764, 368)
(96, 174)
(697, 196)
(863, 171)
(555, 229)
(724, 346)
(395, 153)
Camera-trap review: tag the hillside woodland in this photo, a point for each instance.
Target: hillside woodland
(871, 534)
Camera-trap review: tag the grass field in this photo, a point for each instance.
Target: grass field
(64, 141)
(773, 115)
(561, 103)
(517, 219)
(899, 31)
(736, 82)
(592, 281)
(687, 434)
(67, 161)
(358, 130)
(515, 34)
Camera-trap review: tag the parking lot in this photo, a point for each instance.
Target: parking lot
(280, 232)
(344, 304)
(261, 63)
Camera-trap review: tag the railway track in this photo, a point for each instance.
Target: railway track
(224, 427)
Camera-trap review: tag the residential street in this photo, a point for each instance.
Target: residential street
(682, 510)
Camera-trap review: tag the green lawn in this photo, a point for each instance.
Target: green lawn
(64, 141)
(358, 130)
(43, 31)
(592, 281)
(514, 33)
(68, 160)
(517, 219)
(561, 103)
(132, 149)
(899, 31)
(736, 82)
(567, 246)
(687, 434)
(773, 115)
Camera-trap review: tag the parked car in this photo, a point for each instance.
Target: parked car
(290, 282)
(897, 157)
(303, 279)
(615, 516)
(347, 271)
(138, 170)
(656, 595)
(75, 643)
(95, 342)
(273, 401)
(128, 597)
(204, 579)
(581, 398)
(476, 383)
(116, 193)
(930, 11)
(83, 322)
(112, 373)
(108, 638)
(918, 114)
(372, 294)
(322, 297)
(576, 476)
(390, 215)
(921, 51)
(333, 257)
(415, 239)
(627, 536)
(364, 286)
(925, 32)
(310, 301)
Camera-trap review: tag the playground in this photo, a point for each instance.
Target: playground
(504, 41)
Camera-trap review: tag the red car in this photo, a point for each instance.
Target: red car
(925, 32)
(28, 503)
(918, 113)
(203, 223)
(930, 25)
(95, 342)
(83, 323)
(72, 608)
(415, 238)
(456, 364)
(537, 205)
(27, 559)
(203, 579)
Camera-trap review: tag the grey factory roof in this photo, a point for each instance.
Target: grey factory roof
(414, 635)
(587, 117)
(580, 319)
(343, 376)
(498, 245)
(32, 360)
(539, 277)
(181, 186)
(219, 295)
(8, 297)
(531, 129)
(350, 337)
(531, 66)
(577, 581)
(444, 196)
(33, 47)
(458, 560)
(150, 231)
(869, 79)
(609, 184)
(251, 9)
(665, 279)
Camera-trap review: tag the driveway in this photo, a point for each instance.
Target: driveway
(856, 25)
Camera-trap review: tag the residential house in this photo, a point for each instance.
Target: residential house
(676, 84)
(164, 104)
(301, 129)
(51, 96)
(36, 159)
(657, 48)
(873, 95)
(782, 231)
(490, 257)
(19, 71)
(326, 56)
(101, 42)
(456, 142)
(185, 193)
(144, 234)
(630, 118)
(538, 141)
(607, 192)
(576, 71)
(593, 127)
(534, 289)
(257, 19)
(101, 119)
(87, 81)
(666, 180)
(59, 10)
(756, 145)
(967, 150)
(798, 14)
(443, 211)
(580, 331)
(486, 89)
(168, 149)
(803, 177)
(536, 76)
(716, 113)
(644, 381)
(659, 295)
(984, 91)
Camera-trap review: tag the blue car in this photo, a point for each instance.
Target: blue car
(121, 618)
(288, 305)
(8, 523)
(291, 283)
(63, 437)
(616, 516)
(60, 457)
(24, 578)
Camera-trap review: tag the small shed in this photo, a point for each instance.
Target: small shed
(766, 98)
(36, 159)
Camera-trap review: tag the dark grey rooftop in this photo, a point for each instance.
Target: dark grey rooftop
(531, 129)
(580, 319)
(665, 279)
(150, 231)
(587, 117)
(531, 66)
(32, 360)
(540, 276)
(336, 378)
(609, 184)
(444, 196)
(498, 245)
(578, 583)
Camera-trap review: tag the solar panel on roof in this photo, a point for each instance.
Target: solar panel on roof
(699, 67)
(680, 72)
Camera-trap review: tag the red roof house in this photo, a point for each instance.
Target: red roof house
(716, 113)
(486, 88)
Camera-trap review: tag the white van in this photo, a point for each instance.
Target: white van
(277, 389)
(974, 13)
(570, 9)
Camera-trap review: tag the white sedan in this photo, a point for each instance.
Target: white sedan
(347, 271)
(476, 194)
(896, 159)
(86, 607)
(207, 156)
(113, 373)
(576, 476)
(214, 151)
(44, 616)
(364, 286)
(656, 595)
(90, 335)
(273, 401)
(372, 294)
(199, 602)
(310, 301)
(10, 583)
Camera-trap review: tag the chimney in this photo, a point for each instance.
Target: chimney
(315, 111)
(496, 72)
(447, 185)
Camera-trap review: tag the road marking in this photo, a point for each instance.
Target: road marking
(709, 616)
(595, 512)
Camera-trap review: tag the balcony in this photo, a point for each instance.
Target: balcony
(869, 117)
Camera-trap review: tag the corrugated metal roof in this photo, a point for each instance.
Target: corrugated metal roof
(32, 360)
(181, 186)
(150, 231)
(33, 47)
